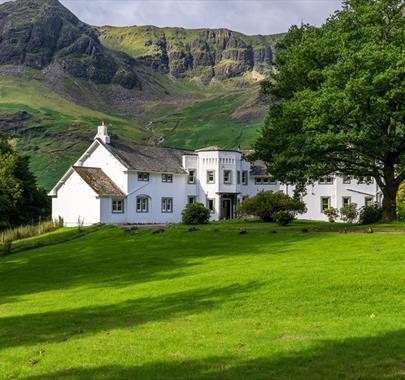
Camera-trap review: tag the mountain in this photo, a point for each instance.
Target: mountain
(200, 53)
(59, 77)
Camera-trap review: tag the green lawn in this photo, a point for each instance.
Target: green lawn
(208, 304)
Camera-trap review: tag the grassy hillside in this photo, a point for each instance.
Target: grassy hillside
(54, 129)
(209, 304)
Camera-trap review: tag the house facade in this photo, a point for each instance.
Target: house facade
(115, 182)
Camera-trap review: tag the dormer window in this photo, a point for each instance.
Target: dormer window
(143, 176)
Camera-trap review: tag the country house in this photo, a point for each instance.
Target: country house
(115, 182)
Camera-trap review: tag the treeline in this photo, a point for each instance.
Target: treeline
(21, 201)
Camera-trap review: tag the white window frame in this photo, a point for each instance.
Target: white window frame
(114, 205)
(229, 180)
(191, 199)
(213, 176)
(347, 180)
(349, 201)
(238, 177)
(368, 200)
(212, 210)
(167, 178)
(329, 203)
(191, 176)
(139, 200)
(143, 176)
(245, 177)
(327, 180)
(167, 205)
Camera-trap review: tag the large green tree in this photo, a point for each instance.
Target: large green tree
(338, 99)
(20, 199)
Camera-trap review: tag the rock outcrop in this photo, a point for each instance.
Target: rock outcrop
(203, 53)
(36, 33)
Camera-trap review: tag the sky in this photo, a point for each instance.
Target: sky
(246, 16)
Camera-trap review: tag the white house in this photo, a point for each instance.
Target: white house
(115, 182)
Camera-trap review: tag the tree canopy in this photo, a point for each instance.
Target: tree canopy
(338, 96)
(20, 199)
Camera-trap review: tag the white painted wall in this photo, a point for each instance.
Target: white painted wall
(75, 199)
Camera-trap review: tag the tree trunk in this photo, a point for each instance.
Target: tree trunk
(389, 191)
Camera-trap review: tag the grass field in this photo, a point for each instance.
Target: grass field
(208, 304)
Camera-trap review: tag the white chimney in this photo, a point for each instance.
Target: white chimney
(102, 133)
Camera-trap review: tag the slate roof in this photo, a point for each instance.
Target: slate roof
(98, 181)
(258, 167)
(149, 158)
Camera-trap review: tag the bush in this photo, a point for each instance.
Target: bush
(283, 218)
(332, 214)
(370, 214)
(401, 202)
(349, 213)
(266, 203)
(195, 213)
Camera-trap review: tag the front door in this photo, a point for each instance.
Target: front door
(226, 208)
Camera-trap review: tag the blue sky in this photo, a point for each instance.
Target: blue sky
(246, 16)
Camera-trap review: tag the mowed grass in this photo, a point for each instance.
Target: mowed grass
(206, 304)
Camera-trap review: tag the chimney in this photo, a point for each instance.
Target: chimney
(102, 133)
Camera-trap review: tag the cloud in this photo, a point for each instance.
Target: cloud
(246, 16)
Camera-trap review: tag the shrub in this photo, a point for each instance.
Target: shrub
(401, 202)
(283, 218)
(349, 213)
(195, 213)
(266, 203)
(370, 214)
(332, 214)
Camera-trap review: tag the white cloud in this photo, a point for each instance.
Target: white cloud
(246, 16)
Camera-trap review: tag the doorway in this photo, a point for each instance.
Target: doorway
(226, 208)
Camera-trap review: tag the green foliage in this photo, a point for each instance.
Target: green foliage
(283, 218)
(195, 213)
(338, 99)
(20, 199)
(266, 204)
(332, 214)
(401, 202)
(370, 214)
(349, 213)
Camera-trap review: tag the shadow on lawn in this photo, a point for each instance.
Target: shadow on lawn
(62, 325)
(112, 257)
(371, 358)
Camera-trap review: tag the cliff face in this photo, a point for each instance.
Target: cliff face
(203, 53)
(38, 33)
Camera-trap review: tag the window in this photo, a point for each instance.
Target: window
(325, 203)
(368, 201)
(238, 177)
(142, 176)
(366, 180)
(167, 204)
(244, 177)
(328, 180)
(191, 176)
(347, 180)
(227, 177)
(211, 205)
(210, 176)
(264, 181)
(142, 204)
(346, 201)
(192, 199)
(117, 206)
(167, 178)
